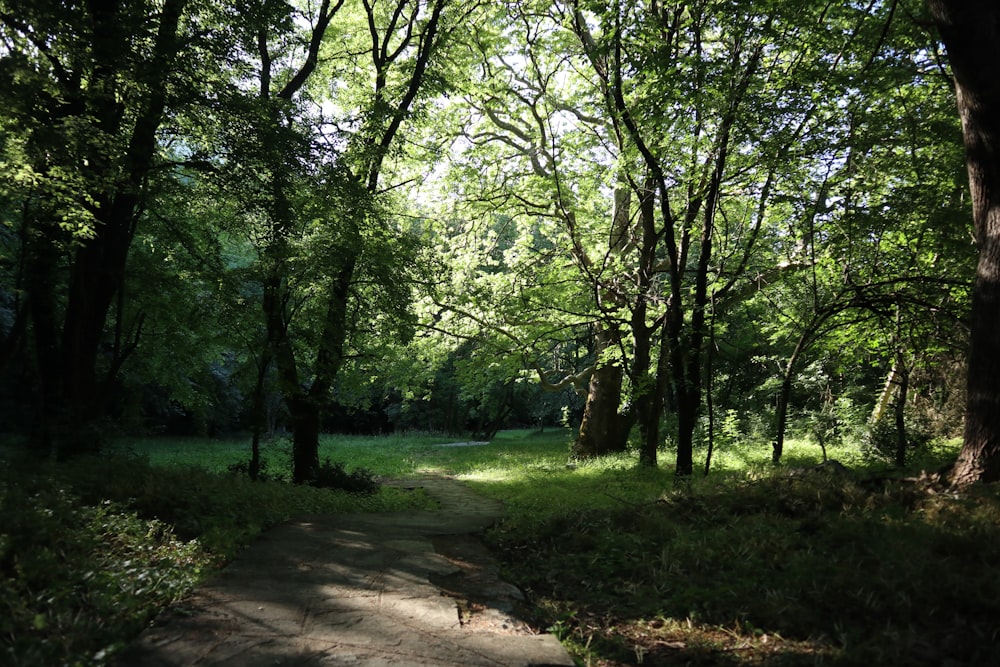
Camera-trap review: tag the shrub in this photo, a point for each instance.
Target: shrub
(878, 444)
(242, 469)
(76, 579)
(333, 475)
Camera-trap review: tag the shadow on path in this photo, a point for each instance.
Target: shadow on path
(406, 588)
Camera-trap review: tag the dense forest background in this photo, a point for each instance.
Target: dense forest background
(664, 224)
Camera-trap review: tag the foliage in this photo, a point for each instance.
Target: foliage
(879, 441)
(242, 468)
(447, 219)
(334, 476)
(79, 578)
(824, 567)
(751, 566)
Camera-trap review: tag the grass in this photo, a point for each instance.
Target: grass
(752, 565)
(747, 566)
(391, 456)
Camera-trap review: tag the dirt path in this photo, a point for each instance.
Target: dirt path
(408, 588)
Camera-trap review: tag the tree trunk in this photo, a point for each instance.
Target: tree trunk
(709, 388)
(891, 382)
(648, 391)
(602, 428)
(95, 279)
(40, 275)
(687, 420)
(784, 395)
(305, 406)
(99, 264)
(258, 413)
(305, 461)
(676, 356)
(970, 30)
(649, 426)
(305, 415)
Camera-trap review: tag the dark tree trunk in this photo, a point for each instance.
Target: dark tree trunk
(329, 359)
(675, 354)
(649, 415)
(305, 406)
(648, 393)
(970, 30)
(687, 420)
(258, 413)
(41, 267)
(305, 415)
(784, 395)
(74, 402)
(661, 397)
(91, 293)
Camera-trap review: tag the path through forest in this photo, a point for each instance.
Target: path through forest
(406, 588)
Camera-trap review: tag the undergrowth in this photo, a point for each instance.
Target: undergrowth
(90, 551)
(752, 565)
(790, 570)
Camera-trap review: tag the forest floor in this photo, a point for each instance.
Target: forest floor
(753, 564)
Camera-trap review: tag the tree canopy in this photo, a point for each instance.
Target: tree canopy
(636, 219)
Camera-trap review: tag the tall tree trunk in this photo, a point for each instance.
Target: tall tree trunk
(687, 420)
(673, 351)
(306, 404)
(648, 394)
(649, 413)
(601, 428)
(891, 382)
(280, 349)
(709, 388)
(970, 30)
(41, 266)
(258, 413)
(305, 415)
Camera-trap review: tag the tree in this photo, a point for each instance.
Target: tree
(86, 87)
(302, 154)
(970, 30)
(662, 217)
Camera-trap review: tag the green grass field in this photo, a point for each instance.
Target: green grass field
(749, 565)
(387, 456)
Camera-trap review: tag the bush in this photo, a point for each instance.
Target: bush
(878, 444)
(76, 579)
(242, 469)
(335, 476)
(91, 550)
